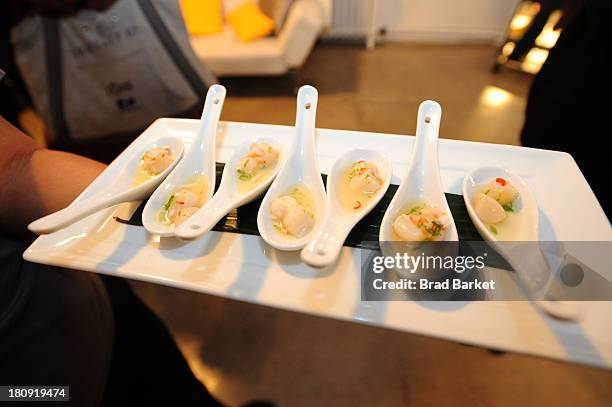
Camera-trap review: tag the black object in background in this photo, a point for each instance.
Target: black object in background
(524, 44)
(13, 95)
(569, 100)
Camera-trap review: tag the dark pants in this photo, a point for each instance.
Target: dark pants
(147, 367)
(569, 101)
(63, 327)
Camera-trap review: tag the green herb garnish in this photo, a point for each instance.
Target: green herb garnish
(169, 203)
(493, 229)
(508, 207)
(415, 210)
(243, 175)
(436, 228)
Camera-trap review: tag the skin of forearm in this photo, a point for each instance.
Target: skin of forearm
(36, 181)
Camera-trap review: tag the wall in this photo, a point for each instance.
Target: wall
(445, 19)
(425, 20)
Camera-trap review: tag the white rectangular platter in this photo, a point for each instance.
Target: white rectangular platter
(243, 267)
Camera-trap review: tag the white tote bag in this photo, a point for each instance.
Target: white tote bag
(97, 74)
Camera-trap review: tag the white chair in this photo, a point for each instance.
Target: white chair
(226, 55)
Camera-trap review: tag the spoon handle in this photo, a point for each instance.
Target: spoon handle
(425, 153)
(326, 246)
(536, 277)
(205, 218)
(305, 119)
(69, 215)
(204, 145)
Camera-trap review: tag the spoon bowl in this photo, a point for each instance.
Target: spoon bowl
(199, 161)
(301, 168)
(123, 189)
(520, 248)
(525, 205)
(229, 195)
(339, 219)
(422, 184)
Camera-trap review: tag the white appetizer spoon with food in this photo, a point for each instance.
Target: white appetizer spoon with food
(292, 210)
(246, 176)
(505, 213)
(145, 170)
(192, 183)
(355, 184)
(419, 210)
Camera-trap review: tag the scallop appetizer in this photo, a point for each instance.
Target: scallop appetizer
(363, 178)
(360, 183)
(421, 223)
(495, 201)
(292, 214)
(153, 162)
(184, 203)
(256, 165)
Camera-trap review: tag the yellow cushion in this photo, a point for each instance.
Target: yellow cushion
(250, 22)
(202, 16)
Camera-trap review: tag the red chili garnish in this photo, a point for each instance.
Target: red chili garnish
(357, 205)
(501, 181)
(180, 202)
(361, 161)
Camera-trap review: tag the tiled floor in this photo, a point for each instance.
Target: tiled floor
(244, 352)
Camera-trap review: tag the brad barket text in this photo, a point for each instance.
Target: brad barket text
(425, 284)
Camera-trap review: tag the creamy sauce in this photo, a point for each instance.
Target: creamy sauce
(198, 185)
(142, 177)
(245, 185)
(508, 229)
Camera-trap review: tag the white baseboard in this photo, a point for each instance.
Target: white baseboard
(451, 35)
(436, 36)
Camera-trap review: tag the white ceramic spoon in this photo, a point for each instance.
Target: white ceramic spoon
(340, 220)
(198, 161)
(121, 190)
(422, 183)
(519, 249)
(300, 168)
(229, 195)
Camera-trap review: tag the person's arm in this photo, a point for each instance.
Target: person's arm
(36, 181)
